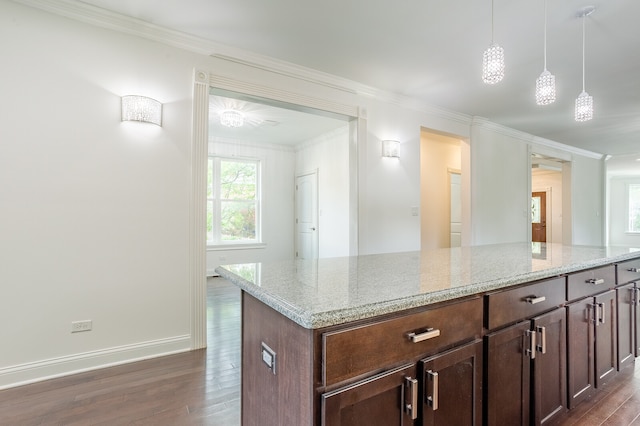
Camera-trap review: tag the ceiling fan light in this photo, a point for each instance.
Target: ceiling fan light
(584, 107)
(546, 88)
(493, 64)
(231, 118)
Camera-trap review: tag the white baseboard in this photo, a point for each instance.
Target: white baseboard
(63, 366)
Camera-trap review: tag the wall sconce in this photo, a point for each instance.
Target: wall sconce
(141, 108)
(391, 148)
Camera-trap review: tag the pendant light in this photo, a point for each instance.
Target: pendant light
(546, 83)
(493, 60)
(584, 102)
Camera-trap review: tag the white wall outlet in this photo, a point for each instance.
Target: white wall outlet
(78, 326)
(269, 357)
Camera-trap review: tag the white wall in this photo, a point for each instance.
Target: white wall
(500, 200)
(95, 212)
(618, 211)
(587, 201)
(278, 165)
(329, 155)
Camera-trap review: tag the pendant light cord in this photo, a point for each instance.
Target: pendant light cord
(583, 18)
(545, 35)
(491, 21)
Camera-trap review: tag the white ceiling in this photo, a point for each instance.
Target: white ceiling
(432, 50)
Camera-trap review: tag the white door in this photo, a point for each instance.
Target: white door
(307, 216)
(455, 238)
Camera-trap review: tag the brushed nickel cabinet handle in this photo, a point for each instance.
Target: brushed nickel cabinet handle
(533, 299)
(531, 351)
(595, 281)
(542, 347)
(411, 408)
(602, 313)
(432, 401)
(429, 334)
(633, 270)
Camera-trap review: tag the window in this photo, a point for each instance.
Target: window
(233, 201)
(634, 207)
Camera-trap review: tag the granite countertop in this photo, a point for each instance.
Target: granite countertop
(324, 292)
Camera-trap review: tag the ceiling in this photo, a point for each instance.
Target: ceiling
(432, 50)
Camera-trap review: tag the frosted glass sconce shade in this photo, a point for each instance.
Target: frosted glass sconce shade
(231, 118)
(141, 108)
(390, 148)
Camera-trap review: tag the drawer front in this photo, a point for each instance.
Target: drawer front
(508, 306)
(590, 282)
(357, 351)
(628, 271)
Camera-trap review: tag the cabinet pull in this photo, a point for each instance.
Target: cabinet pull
(633, 270)
(533, 300)
(542, 347)
(531, 351)
(602, 313)
(411, 408)
(432, 401)
(429, 334)
(595, 281)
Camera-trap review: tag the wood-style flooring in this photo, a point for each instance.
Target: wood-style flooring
(194, 388)
(203, 387)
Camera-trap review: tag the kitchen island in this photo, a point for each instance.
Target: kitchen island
(353, 340)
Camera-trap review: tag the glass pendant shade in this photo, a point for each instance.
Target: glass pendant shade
(493, 64)
(231, 118)
(545, 88)
(584, 107)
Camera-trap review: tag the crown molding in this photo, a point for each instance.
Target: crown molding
(532, 139)
(103, 18)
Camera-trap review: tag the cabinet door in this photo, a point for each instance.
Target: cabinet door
(549, 366)
(605, 335)
(387, 399)
(452, 387)
(626, 327)
(636, 316)
(580, 350)
(508, 372)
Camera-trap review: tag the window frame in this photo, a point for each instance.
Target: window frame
(213, 237)
(630, 215)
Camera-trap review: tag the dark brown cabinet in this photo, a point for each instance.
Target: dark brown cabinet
(389, 399)
(526, 368)
(439, 382)
(452, 387)
(593, 348)
(626, 304)
(525, 363)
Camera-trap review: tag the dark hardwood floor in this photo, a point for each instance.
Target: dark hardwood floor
(203, 387)
(193, 388)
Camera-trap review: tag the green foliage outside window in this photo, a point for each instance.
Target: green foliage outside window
(232, 200)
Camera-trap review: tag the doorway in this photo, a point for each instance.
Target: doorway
(539, 217)
(550, 199)
(444, 187)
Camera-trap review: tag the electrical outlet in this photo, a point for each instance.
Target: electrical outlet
(78, 326)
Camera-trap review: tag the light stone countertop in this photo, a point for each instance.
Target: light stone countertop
(325, 292)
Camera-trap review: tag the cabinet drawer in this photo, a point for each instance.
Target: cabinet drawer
(628, 271)
(590, 282)
(356, 351)
(508, 306)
